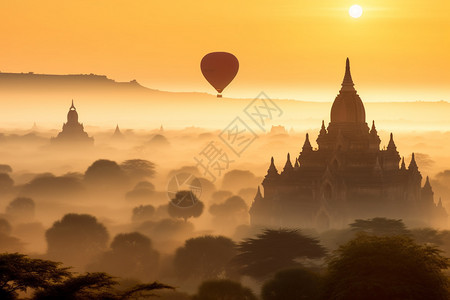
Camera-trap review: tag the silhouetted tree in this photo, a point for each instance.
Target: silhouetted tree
(185, 205)
(158, 140)
(6, 183)
(138, 169)
(5, 227)
(162, 211)
(273, 250)
(221, 196)
(208, 188)
(386, 267)
(49, 186)
(333, 238)
(5, 168)
(223, 290)
(380, 226)
(206, 257)
(230, 213)
(145, 185)
(185, 169)
(21, 208)
(19, 272)
(105, 173)
(293, 284)
(86, 286)
(76, 239)
(236, 180)
(8, 243)
(143, 213)
(428, 236)
(143, 191)
(51, 281)
(167, 229)
(131, 255)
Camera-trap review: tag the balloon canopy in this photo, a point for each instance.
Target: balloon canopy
(219, 68)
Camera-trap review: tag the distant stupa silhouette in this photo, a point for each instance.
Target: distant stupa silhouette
(73, 131)
(117, 133)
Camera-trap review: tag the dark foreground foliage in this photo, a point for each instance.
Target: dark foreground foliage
(48, 280)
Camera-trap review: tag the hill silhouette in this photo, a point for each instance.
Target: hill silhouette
(104, 101)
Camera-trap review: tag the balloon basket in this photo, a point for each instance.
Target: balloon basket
(219, 96)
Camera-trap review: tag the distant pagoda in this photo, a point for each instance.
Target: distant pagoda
(73, 131)
(117, 135)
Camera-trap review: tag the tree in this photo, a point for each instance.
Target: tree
(138, 169)
(169, 234)
(380, 226)
(5, 227)
(8, 243)
(76, 238)
(185, 205)
(105, 173)
(223, 290)
(131, 255)
(236, 180)
(19, 272)
(293, 284)
(230, 213)
(50, 186)
(87, 286)
(273, 250)
(205, 257)
(6, 183)
(386, 267)
(220, 196)
(21, 208)
(51, 281)
(143, 213)
(428, 236)
(5, 168)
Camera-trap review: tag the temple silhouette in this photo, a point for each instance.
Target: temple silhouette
(347, 177)
(72, 132)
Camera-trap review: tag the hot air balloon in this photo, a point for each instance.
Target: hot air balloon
(219, 68)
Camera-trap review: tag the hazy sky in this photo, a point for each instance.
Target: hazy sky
(399, 50)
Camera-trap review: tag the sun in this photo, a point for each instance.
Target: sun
(355, 11)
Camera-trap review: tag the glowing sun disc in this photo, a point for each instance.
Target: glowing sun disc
(355, 11)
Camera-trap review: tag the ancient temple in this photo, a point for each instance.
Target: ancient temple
(346, 177)
(73, 131)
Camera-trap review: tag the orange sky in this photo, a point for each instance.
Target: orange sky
(399, 50)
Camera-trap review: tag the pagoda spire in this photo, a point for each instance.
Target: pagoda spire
(347, 83)
(258, 194)
(373, 130)
(296, 163)
(272, 169)
(413, 164)
(403, 166)
(288, 166)
(427, 184)
(307, 145)
(391, 145)
(72, 106)
(322, 129)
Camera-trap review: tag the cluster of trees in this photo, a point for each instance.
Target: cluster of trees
(45, 279)
(382, 260)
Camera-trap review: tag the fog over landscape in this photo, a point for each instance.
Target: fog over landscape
(224, 150)
(122, 181)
